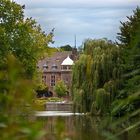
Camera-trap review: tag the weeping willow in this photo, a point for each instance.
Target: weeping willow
(96, 76)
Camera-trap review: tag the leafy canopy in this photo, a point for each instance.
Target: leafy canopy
(21, 36)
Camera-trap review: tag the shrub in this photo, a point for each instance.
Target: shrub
(60, 89)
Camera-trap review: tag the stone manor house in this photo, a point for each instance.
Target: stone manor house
(58, 67)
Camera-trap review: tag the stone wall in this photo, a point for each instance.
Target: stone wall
(51, 106)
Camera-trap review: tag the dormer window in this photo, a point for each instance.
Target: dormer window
(57, 59)
(45, 66)
(54, 67)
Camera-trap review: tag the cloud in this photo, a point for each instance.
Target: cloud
(78, 3)
(85, 18)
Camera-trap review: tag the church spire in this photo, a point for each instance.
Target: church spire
(75, 41)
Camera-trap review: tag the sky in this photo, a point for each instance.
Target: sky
(84, 18)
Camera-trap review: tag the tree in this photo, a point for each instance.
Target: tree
(130, 92)
(21, 37)
(66, 48)
(97, 68)
(129, 29)
(60, 89)
(21, 43)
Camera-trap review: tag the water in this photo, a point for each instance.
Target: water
(56, 113)
(60, 125)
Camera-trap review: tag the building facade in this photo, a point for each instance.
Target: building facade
(57, 67)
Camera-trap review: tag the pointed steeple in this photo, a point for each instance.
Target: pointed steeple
(75, 41)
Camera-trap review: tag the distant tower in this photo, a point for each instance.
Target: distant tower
(75, 41)
(74, 50)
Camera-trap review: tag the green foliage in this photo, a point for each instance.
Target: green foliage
(129, 29)
(21, 37)
(99, 67)
(41, 86)
(60, 88)
(126, 105)
(66, 48)
(54, 99)
(40, 103)
(108, 73)
(131, 65)
(102, 100)
(16, 104)
(21, 44)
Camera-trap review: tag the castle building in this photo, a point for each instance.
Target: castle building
(57, 67)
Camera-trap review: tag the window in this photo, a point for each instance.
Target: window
(44, 79)
(64, 67)
(57, 59)
(52, 80)
(54, 67)
(69, 67)
(66, 80)
(45, 66)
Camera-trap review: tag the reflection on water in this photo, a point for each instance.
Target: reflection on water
(78, 127)
(69, 128)
(56, 113)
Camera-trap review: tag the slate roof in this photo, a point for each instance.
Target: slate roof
(53, 63)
